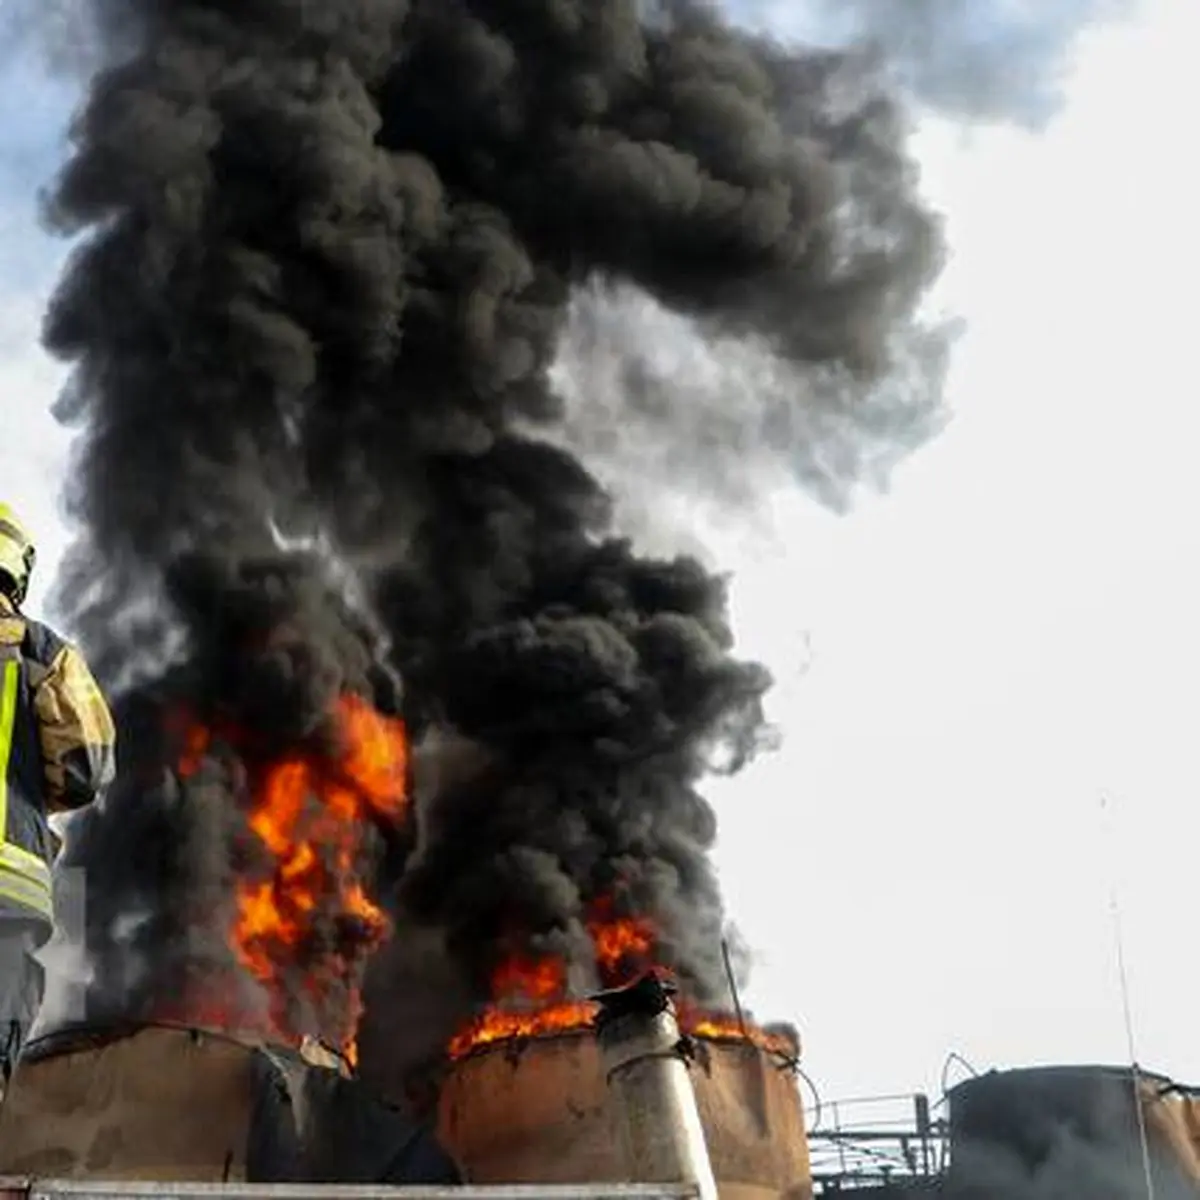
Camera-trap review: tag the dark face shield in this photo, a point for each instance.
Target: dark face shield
(15, 583)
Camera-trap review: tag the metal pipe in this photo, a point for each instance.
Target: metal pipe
(75, 1189)
(645, 1062)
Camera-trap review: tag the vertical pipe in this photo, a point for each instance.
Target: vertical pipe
(646, 1069)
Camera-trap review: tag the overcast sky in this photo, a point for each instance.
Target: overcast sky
(1007, 635)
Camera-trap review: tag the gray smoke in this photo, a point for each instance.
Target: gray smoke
(64, 35)
(626, 359)
(990, 60)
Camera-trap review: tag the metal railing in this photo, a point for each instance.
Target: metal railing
(878, 1141)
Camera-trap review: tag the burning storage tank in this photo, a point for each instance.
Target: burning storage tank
(1072, 1130)
(630, 1099)
(176, 1104)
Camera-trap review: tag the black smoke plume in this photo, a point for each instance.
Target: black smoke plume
(329, 258)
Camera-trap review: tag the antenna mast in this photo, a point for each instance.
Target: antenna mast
(1114, 905)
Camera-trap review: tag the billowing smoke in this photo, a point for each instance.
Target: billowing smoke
(331, 257)
(993, 60)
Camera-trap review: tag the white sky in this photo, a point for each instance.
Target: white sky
(1007, 634)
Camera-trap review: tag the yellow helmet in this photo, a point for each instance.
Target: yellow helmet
(17, 555)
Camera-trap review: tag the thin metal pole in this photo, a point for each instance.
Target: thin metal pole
(733, 988)
(1127, 1010)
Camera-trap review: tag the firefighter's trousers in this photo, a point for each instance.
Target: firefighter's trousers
(22, 987)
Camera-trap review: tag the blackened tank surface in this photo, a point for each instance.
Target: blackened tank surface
(1061, 1131)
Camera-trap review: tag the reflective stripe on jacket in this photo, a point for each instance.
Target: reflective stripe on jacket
(57, 752)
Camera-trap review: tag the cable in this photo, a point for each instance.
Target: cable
(952, 1058)
(818, 1110)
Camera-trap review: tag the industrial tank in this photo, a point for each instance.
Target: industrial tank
(173, 1104)
(539, 1111)
(140, 1103)
(1071, 1130)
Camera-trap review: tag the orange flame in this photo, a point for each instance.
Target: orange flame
(307, 814)
(530, 996)
(723, 1027)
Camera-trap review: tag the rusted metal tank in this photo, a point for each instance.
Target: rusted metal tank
(145, 1103)
(537, 1111)
(179, 1105)
(1071, 1130)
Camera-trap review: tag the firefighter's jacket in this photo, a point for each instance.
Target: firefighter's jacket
(57, 753)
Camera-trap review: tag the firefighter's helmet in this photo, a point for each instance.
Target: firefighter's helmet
(17, 555)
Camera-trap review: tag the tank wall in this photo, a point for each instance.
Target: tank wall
(159, 1104)
(536, 1114)
(753, 1119)
(1173, 1126)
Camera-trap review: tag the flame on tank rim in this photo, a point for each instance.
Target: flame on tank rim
(515, 1046)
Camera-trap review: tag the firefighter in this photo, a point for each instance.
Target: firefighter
(57, 754)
